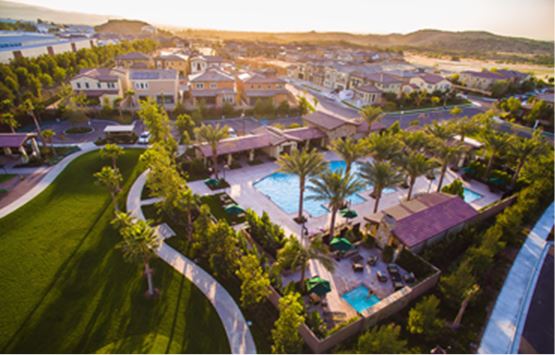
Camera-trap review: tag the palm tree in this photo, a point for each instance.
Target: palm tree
(212, 135)
(494, 144)
(305, 107)
(113, 152)
(28, 107)
(466, 127)
(443, 132)
(293, 254)
(469, 294)
(371, 114)
(524, 148)
(303, 164)
(383, 146)
(333, 188)
(349, 150)
(382, 175)
(415, 165)
(8, 119)
(187, 202)
(139, 244)
(417, 141)
(128, 98)
(111, 179)
(445, 154)
(455, 111)
(48, 134)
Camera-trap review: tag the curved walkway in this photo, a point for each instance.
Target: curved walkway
(504, 329)
(236, 328)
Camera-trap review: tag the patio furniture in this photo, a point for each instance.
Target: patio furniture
(409, 278)
(357, 258)
(342, 244)
(397, 285)
(381, 276)
(349, 214)
(233, 209)
(372, 260)
(314, 298)
(392, 269)
(358, 267)
(318, 286)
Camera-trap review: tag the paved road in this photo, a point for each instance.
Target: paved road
(538, 336)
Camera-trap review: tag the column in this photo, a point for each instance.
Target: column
(251, 155)
(8, 151)
(35, 147)
(229, 159)
(24, 156)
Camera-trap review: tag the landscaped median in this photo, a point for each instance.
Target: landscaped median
(67, 289)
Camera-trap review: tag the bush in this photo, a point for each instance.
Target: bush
(195, 169)
(454, 188)
(316, 324)
(413, 263)
(269, 235)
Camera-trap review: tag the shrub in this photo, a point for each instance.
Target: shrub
(413, 263)
(455, 188)
(269, 235)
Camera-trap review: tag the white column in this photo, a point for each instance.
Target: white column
(35, 147)
(229, 159)
(251, 155)
(24, 156)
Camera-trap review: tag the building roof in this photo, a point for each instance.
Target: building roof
(237, 144)
(262, 79)
(100, 74)
(483, 74)
(547, 97)
(209, 58)
(127, 128)
(153, 74)
(14, 140)
(511, 74)
(133, 56)
(305, 133)
(369, 88)
(383, 78)
(326, 121)
(211, 92)
(265, 93)
(431, 78)
(175, 57)
(211, 74)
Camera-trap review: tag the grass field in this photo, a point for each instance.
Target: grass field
(66, 289)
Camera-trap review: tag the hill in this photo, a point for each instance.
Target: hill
(26, 12)
(123, 27)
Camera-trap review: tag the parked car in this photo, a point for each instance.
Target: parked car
(144, 138)
(381, 276)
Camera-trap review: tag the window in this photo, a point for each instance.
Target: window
(98, 85)
(199, 85)
(141, 85)
(78, 85)
(213, 85)
(86, 85)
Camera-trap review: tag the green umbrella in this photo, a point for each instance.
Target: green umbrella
(496, 181)
(468, 170)
(348, 213)
(342, 244)
(233, 209)
(211, 182)
(318, 286)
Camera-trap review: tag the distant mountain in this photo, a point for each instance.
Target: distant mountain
(19, 11)
(124, 27)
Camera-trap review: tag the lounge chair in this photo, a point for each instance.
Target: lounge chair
(372, 260)
(357, 267)
(314, 298)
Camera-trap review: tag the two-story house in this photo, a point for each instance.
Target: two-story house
(176, 61)
(158, 84)
(387, 83)
(260, 87)
(431, 82)
(135, 60)
(100, 83)
(214, 87)
(201, 63)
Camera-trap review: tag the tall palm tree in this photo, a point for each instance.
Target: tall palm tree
(187, 202)
(383, 146)
(494, 144)
(8, 119)
(303, 164)
(416, 141)
(469, 294)
(415, 165)
(349, 150)
(465, 127)
(293, 254)
(111, 179)
(446, 153)
(524, 148)
(333, 188)
(382, 175)
(28, 107)
(112, 152)
(48, 134)
(212, 135)
(442, 132)
(139, 244)
(371, 114)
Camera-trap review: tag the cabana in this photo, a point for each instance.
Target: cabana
(10, 141)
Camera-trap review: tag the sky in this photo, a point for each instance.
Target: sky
(520, 18)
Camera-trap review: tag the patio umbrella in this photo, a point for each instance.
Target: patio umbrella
(318, 286)
(234, 209)
(496, 181)
(348, 213)
(211, 182)
(468, 170)
(342, 244)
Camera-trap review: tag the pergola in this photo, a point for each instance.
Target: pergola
(10, 141)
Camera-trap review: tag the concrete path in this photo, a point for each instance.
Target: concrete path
(504, 329)
(236, 328)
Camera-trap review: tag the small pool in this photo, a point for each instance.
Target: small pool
(359, 299)
(283, 190)
(471, 196)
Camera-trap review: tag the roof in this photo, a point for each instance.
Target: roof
(483, 74)
(211, 92)
(211, 74)
(427, 216)
(133, 56)
(326, 121)
(305, 133)
(262, 79)
(172, 57)
(511, 74)
(100, 74)
(547, 97)
(265, 93)
(209, 58)
(120, 128)
(368, 88)
(237, 144)
(431, 78)
(14, 140)
(153, 74)
(383, 78)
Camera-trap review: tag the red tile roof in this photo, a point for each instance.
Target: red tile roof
(326, 121)
(14, 140)
(431, 78)
(305, 133)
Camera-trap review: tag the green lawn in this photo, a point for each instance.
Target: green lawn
(5, 177)
(65, 288)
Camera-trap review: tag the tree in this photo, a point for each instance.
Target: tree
(8, 119)
(465, 127)
(212, 135)
(221, 248)
(382, 175)
(540, 111)
(382, 340)
(446, 153)
(424, 317)
(74, 111)
(29, 109)
(349, 150)
(293, 255)
(111, 179)
(455, 188)
(455, 111)
(454, 285)
(415, 165)
(512, 105)
(305, 107)
(469, 294)
(48, 134)
(333, 188)
(303, 164)
(255, 282)
(417, 141)
(494, 144)
(383, 146)
(283, 108)
(157, 122)
(524, 148)
(185, 123)
(227, 109)
(139, 244)
(285, 334)
(443, 132)
(128, 96)
(187, 202)
(112, 152)
(371, 114)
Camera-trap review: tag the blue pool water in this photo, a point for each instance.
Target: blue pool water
(283, 190)
(358, 298)
(471, 196)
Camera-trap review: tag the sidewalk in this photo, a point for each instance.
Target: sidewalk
(504, 329)
(236, 328)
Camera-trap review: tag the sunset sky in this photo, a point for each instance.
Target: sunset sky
(530, 18)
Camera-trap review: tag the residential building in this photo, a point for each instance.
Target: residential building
(177, 61)
(100, 83)
(135, 60)
(421, 221)
(430, 83)
(214, 87)
(333, 127)
(254, 87)
(481, 80)
(365, 95)
(387, 83)
(161, 85)
(201, 63)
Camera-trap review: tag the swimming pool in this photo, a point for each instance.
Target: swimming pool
(359, 298)
(283, 190)
(471, 196)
